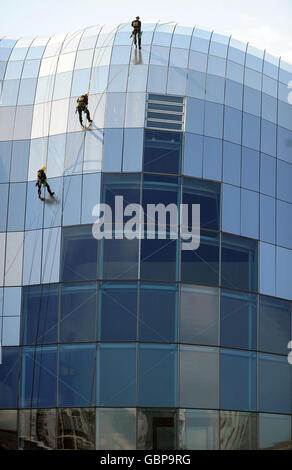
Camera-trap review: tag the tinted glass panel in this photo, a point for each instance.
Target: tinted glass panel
(162, 151)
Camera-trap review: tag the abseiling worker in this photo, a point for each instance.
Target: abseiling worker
(82, 103)
(136, 24)
(42, 181)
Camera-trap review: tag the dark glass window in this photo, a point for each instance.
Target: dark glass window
(119, 257)
(275, 385)
(159, 259)
(79, 254)
(162, 150)
(157, 429)
(37, 429)
(274, 431)
(116, 383)
(199, 429)
(117, 312)
(157, 382)
(76, 429)
(238, 320)
(38, 377)
(238, 430)
(201, 266)
(76, 381)
(9, 378)
(275, 325)
(239, 263)
(160, 190)
(8, 430)
(158, 312)
(125, 185)
(40, 314)
(207, 194)
(116, 428)
(78, 312)
(238, 380)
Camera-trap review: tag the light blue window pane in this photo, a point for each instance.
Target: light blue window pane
(12, 301)
(216, 66)
(27, 91)
(74, 153)
(267, 269)
(18, 53)
(251, 131)
(88, 40)
(285, 115)
(98, 82)
(252, 101)
(234, 72)
(10, 331)
(193, 155)
(232, 125)
(178, 58)
(157, 79)
(213, 119)
(233, 94)
(249, 214)
(284, 175)
(198, 61)
(215, 89)
(194, 116)
(238, 380)
(32, 257)
(267, 219)
(133, 149)
(285, 72)
(45, 89)
(62, 85)
(219, 45)
(254, 58)
(35, 52)
(284, 144)
(31, 69)
(5, 157)
(120, 55)
(34, 208)
(250, 169)
(163, 34)
(90, 196)
(5, 53)
(230, 209)
(200, 40)
(84, 59)
(196, 84)
(182, 36)
(51, 255)
(274, 430)
(275, 388)
(137, 78)
(253, 79)
(9, 93)
(80, 83)
(284, 224)
(269, 108)
(212, 162)
(283, 273)
(117, 80)
(275, 316)
(56, 155)
(198, 389)
(271, 66)
(112, 153)
(16, 210)
(13, 69)
(267, 175)
(93, 151)
(53, 206)
(115, 110)
(268, 138)
(3, 206)
(2, 69)
(72, 200)
(270, 86)
(177, 80)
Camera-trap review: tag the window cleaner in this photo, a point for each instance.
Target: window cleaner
(42, 181)
(136, 24)
(82, 103)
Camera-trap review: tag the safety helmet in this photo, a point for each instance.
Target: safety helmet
(86, 94)
(43, 168)
(137, 17)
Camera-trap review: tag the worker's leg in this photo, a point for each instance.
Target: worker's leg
(139, 40)
(49, 189)
(88, 115)
(135, 38)
(39, 190)
(80, 115)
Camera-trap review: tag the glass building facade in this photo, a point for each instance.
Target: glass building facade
(138, 344)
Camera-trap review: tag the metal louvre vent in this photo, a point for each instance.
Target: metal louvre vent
(165, 112)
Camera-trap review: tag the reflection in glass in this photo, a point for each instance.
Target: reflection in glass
(157, 429)
(116, 429)
(76, 429)
(198, 430)
(238, 430)
(37, 429)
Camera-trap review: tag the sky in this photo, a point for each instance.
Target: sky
(264, 23)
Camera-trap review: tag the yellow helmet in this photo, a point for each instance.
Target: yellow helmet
(43, 168)
(86, 94)
(137, 17)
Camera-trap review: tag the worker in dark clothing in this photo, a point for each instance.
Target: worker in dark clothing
(42, 181)
(136, 24)
(82, 104)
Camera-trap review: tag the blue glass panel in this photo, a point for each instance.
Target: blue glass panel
(116, 384)
(74, 153)
(268, 138)
(215, 87)
(3, 206)
(38, 377)
(133, 150)
(112, 153)
(250, 169)
(275, 325)
(233, 94)
(232, 125)
(125, 185)
(117, 312)
(9, 371)
(40, 314)
(231, 209)
(157, 365)
(200, 40)
(32, 255)
(275, 390)
(285, 115)
(239, 263)
(34, 208)
(196, 84)
(9, 92)
(207, 194)
(201, 266)
(79, 254)
(119, 257)
(63, 85)
(19, 161)
(162, 151)
(283, 273)
(157, 79)
(16, 212)
(267, 175)
(78, 312)
(177, 80)
(284, 176)
(158, 313)
(249, 214)
(90, 196)
(5, 157)
(238, 380)
(30, 69)
(252, 101)
(213, 119)
(234, 71)
(267, 219)
(274, 430)
(251, 131)
(76, 379)
(98, 82)
(231, 163)
(27, 91)
(284, 224)
(80, 83)
(193, 155)
(72, 200)
(194, 116)
(238, 320)
(284, 144)
(269, 108)
(212, 162)
(198, 61)
(267, 268)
